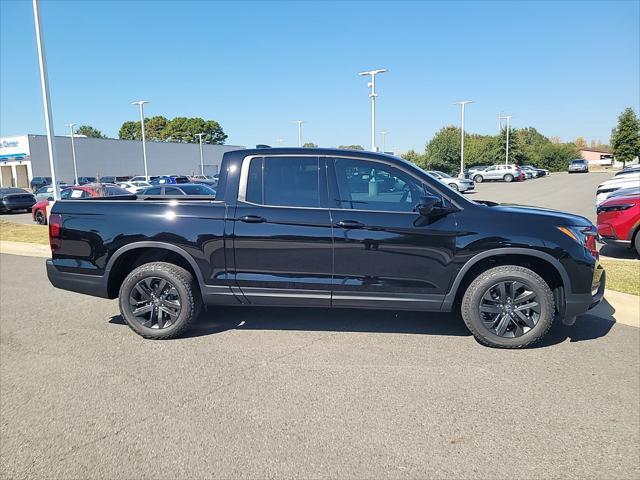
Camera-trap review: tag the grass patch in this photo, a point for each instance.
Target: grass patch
(14, 232)
(622, 276)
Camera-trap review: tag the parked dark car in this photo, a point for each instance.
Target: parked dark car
(182, 189)
(39, 182)
(13, 199)
(329, 228)
(169, 180)
(85, 180)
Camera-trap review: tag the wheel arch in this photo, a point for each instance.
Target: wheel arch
(548, 267)
(130, 256)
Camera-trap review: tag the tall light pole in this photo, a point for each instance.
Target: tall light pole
(462, 104)
(73, 153)
(373, 95)
(500, 117)
(141, 103)
(299, 122)
(383, 134)
(199, 135)
(506, 160)
(44, 84)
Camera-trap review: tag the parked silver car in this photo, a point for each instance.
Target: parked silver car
(459, 184)
(578, 165)
(507, 173)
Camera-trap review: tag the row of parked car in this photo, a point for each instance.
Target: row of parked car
(505, 173)
(618, 209)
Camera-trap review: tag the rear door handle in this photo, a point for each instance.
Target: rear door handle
(253, 219)
(350, 224)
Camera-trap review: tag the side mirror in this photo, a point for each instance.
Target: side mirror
(426, 205)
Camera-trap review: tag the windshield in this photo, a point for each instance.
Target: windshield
(442, 174)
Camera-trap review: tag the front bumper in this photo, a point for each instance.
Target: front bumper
(579, 303)
(94, 285)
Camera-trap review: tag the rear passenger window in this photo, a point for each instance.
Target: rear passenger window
(172, 191)
(284, 181)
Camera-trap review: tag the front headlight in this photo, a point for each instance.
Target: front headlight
(585, 236)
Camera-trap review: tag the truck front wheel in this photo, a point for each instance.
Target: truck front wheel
(508, 307)
(159, 300)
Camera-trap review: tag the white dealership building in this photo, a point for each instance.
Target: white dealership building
(23, 157)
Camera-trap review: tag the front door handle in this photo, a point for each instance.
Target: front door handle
(253, 219)
(350, 224)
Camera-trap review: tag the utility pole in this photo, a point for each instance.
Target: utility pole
(44, 84)
(73, 153)
(462, 105)
(373, 95)
(199, 135)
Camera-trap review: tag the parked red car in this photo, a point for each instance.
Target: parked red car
(39, 210)
(619, 221)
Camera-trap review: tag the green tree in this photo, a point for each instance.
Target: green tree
(516, 154)
(155, 128)
(130, 131)
(413, 157)
(556, 156)
(625, 137)
(185, 130)
(310, 145)
(89, 131)
(481, 149)
(443, 150)
(351, 147)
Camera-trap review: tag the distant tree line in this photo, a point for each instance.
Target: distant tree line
(526, 146)
(178, 129)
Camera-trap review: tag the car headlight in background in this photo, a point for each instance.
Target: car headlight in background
(585, 236)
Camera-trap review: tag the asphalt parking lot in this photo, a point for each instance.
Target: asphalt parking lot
(311, 393)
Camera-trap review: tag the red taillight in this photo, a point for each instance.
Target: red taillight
(55, 231)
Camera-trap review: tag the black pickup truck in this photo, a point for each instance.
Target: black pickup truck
(328, 228)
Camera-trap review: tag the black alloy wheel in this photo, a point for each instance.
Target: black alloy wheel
(155, 303)
(509, 309)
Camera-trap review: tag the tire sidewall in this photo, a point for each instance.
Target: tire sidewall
(478, 179)
(455, 187)
(40, 218)
(508, 178)
(537, 285)
(184, 294)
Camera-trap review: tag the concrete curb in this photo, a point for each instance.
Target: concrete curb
(25, 249)
(626, 306)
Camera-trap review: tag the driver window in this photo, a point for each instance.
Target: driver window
(369, 185)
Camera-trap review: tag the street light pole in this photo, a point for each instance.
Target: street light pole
(73, 153)
(373, 95)
(383, 134)
(299, 122)
(462, 105)
(141, 103)
(44, 84)
(199, 135)
(506, 160)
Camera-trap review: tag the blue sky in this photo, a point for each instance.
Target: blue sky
(566, 68)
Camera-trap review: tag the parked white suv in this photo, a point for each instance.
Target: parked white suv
(507, 173)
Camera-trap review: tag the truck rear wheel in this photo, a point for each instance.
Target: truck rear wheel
(508, 307)
(159, 300)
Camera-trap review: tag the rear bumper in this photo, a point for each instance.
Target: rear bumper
(94, 285)
(576, 304)
(17, 206)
